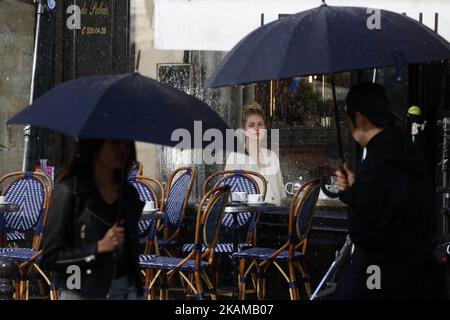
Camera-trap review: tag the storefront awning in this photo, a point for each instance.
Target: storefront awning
(218, 25)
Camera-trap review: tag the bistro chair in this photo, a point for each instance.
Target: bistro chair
(14, 237)
(31, 191)
(206, 235)
(292, 252)
(179, 188)
(149, 189)
(239, 181)
(136, 170)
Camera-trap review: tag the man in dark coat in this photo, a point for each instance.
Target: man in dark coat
(392, 221)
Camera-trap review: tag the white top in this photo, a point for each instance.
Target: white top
(272, 173)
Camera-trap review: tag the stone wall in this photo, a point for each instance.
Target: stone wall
(16, 51)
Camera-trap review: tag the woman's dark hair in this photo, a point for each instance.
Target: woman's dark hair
(251, 109)
(86, 152)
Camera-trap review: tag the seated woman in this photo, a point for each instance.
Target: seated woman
(256, 157)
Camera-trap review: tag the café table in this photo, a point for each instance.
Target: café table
(151, 215)
(6, 207)
(234, 208)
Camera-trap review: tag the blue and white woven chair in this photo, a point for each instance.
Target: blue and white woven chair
(147, 188)
(292, 252)
(192, 269)
(239, 181)
(179, 188)
(30, 190)
(136, 170)
(14, 237)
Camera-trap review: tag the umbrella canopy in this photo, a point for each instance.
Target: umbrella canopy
(122, 107)
(328, 39)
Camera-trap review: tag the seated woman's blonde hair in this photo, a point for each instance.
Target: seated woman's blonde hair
(251, 109)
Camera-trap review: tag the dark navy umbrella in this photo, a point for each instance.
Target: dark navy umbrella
(327, 40)
(122, 107)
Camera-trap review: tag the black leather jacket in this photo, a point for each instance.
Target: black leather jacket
(75, 224)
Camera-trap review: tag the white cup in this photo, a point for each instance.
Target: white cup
(239, 196)
(149, 206)
(255, 198)
(2, 199)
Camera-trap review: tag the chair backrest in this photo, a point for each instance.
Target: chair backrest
(145, 187)
(136, 170)
(239, 181)
(31, 191)
(302, 212)
(179, 188)
(305, 212)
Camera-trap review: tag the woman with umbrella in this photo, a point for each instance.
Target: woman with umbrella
(92, 252)
(393, 221)
(90, 241)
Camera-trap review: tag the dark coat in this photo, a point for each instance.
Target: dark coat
(392, 223)
(77, 219)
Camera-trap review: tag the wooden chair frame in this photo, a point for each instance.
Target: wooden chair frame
(290, 245)
(196, 284)
(25, 268)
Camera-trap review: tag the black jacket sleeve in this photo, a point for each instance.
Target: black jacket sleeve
(60, 248)
(373, 207)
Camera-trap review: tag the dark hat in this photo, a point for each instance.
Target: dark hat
(371, 100)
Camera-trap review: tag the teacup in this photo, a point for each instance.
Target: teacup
(239, 196)
(2, 199)
(149, 206)
(255, 198)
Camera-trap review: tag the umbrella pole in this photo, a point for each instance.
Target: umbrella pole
(336, 116)
(27, 129)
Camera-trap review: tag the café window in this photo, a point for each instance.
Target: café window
(302, 109)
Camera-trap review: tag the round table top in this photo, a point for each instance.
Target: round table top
(8, 207)
(237, 207)
(151, 215)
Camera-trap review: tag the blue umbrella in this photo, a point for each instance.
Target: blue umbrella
(122, 107)
(328, 39)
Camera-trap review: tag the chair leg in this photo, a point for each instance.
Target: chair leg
(26, 290)
(164, 290)
(198, 285)
(54, 295)
(209, 284)
(52, 288)
(242, 278)
(190, 286)
(150, 283)
(16, 289)
(261, 283)
(293, 281)
(305, 276)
